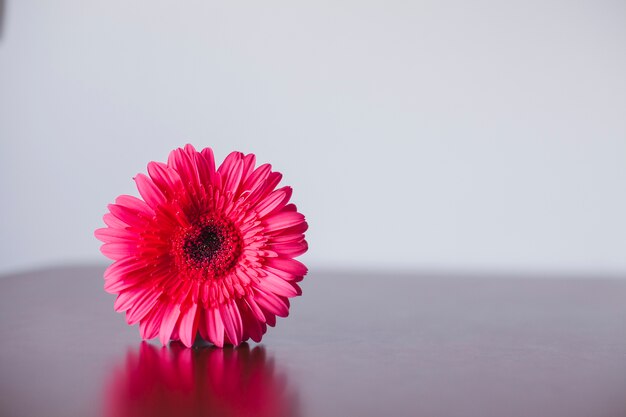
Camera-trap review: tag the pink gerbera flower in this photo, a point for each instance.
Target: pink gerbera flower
(207, 250)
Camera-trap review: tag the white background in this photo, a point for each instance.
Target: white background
(461, 135)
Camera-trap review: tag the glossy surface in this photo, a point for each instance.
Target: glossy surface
(356, 344)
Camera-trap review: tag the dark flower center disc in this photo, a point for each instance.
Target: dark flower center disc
(213, 245)
(205, 246)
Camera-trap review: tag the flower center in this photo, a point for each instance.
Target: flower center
(205, 246)
(212, 246)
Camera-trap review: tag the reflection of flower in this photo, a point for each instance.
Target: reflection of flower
(207, 250)
(197, 382)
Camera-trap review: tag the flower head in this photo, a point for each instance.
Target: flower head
(205, 249)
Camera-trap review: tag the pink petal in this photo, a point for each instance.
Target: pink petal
(248, 166)
(130, 216)
(290, 207)
(112, 221)
(276, 285)
(122, 268)
(206, 166)
(257, 177)
(291, 249)
(270, 318)
(134, 204)
(111, 234)
(299, 229)
(274, 202)
(215, 326)
(190, 149)
(189, 325)
(207, 153)
(231, 171)
(261, 191)
(254, 308)
(165, 178)
(181, 161)
(283, 220)
(272, 180)
(149, 326)
(119, 250)
(142, 307)
(170, 317)
(254, 328)
(232, 322)
(272, 303)
(126, 299)
(286, 238)
(120, 284)
(289, 266)
(149, 191)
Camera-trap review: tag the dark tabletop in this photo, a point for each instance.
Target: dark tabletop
(355, 344)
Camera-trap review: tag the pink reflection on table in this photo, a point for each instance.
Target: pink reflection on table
(177, 381)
